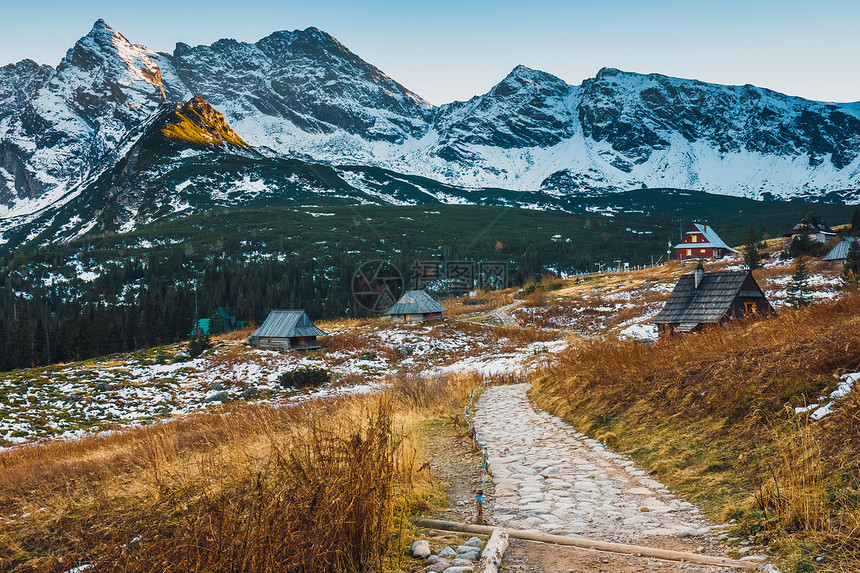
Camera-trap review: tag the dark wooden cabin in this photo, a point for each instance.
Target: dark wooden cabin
(701, 299)
(286, 330)
(815, 228)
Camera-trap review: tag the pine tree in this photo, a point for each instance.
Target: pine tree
(798, 290)
(855, 222)
(851, 267)
(752, 256)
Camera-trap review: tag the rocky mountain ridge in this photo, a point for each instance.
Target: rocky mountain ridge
(304, 95)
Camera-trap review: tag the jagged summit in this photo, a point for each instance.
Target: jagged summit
(301, 81)
(309, 35)
(101, 39)
(607, 72)
(523, 77)
(525, 72)
(100, 27)
(303, 94)
(197, 123)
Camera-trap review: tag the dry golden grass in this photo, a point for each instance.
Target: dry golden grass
(748, 367)
(495, 299)
(337, 324)
(236, 335)
(319, 487)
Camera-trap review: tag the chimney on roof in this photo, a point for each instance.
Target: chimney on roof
(700, 274)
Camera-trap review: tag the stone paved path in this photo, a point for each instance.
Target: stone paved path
(550, 478)
(503, 314)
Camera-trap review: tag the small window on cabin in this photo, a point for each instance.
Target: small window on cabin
(749, 307)
(689, 252)
(694, 238)
(702, 251)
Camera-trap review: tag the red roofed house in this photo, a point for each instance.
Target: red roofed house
(701, 242)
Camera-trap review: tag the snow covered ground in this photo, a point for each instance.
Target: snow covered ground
(69, 400)
(825, 404)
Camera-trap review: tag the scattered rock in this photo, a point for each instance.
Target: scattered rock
(474, 542)
(461, 561)
(217, 397)
(421, 549)
(439, 566)
(689, 533)
(250, 391)
(459, 570)
(447, 552)
(216, 387)
(658, 532)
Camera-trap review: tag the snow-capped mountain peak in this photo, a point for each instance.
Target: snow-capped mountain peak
(106, 51)
(303, 94)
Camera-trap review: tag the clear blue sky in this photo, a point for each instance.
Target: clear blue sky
(453, 49)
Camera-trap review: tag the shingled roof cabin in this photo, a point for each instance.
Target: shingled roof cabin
(287, 330)
(416, 306)
(701, 299)
(702, 242)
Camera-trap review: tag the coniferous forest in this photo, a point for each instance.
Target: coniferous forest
(118, 293)
(154, 301)
(148, 301)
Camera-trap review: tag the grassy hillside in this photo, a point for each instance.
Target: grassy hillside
(714, 415)
(261, 483)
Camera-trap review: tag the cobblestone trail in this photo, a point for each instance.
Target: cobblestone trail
(503, 314)
(550, 478)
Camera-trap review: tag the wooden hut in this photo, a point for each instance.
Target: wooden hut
(416, 306)
(701, 299)
(837, 255)
(813, 227)
(702, 242)
(286, 330)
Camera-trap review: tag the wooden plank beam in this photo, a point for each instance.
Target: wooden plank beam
(584, 543)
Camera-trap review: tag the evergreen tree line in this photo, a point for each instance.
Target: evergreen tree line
(140, 304)
(140, 301)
